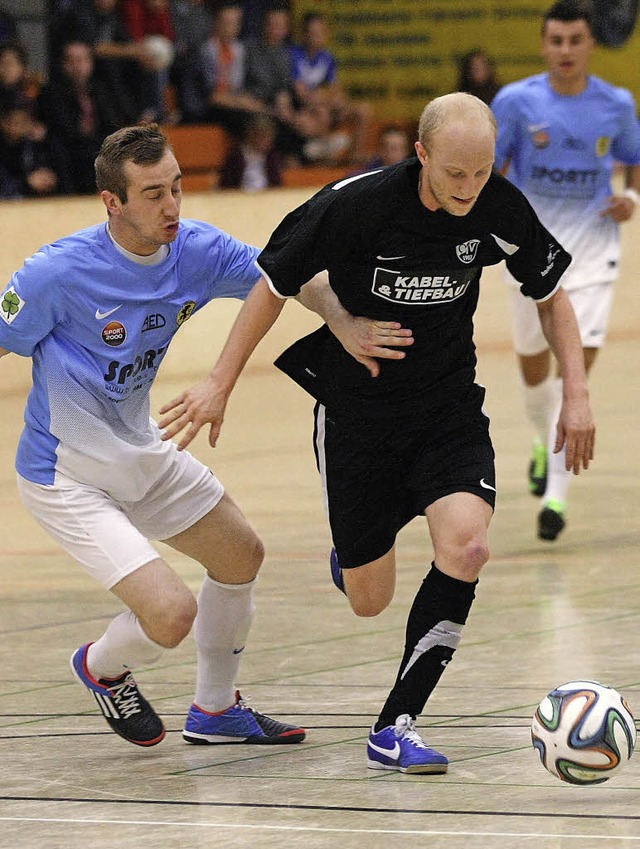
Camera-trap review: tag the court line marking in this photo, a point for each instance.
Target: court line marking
(326, 809)
(319, 829)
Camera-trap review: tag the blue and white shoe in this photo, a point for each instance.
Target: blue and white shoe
(400, 747)
(122, 704)
(237, 724)
(336, 571)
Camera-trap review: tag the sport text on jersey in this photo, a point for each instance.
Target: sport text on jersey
(419, 288)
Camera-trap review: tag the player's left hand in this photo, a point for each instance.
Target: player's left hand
(619, 208)
(576, 432)
(193, 408)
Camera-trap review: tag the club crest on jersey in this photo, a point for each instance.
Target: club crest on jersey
(186, 311)
(603, 143)
(417, 288)
(466, 252)
(10, 305)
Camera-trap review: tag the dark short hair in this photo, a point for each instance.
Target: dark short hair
(310, 17)
(569, 10)
(144, 144)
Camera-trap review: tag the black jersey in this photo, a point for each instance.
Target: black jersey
(389, 258)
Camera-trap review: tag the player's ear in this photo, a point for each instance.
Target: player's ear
(421, 152)
(111, 201)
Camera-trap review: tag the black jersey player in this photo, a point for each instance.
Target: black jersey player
(405, 246)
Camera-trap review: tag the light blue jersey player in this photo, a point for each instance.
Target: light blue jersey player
(96, 312)
(560, 135)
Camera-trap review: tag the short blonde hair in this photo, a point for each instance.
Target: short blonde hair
(457, 105)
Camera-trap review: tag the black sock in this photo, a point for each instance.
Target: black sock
(434, 627)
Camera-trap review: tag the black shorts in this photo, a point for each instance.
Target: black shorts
(377, 475)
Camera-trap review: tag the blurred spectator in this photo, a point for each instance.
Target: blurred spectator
(79, 111)
(478, 75)
(253, 163)
(393, 146)
(26, 165)
(268, 62)
(18, 85)
(269, 78)
(192, 22)
(8, 28)
(150, 24)
(217, 91)
(120, 62)
(316, 84)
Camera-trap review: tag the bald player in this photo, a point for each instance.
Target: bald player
(399, 427)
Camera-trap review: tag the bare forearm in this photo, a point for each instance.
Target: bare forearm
(258, 314)
(563, 335)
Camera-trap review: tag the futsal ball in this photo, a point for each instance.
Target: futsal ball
(160, 49)
(584, 732)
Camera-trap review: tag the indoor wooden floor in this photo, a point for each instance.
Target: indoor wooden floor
(545, 614)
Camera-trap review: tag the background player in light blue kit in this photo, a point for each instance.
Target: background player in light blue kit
(559, 136)
(96, 311)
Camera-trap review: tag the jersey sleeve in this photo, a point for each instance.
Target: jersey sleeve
(506, 115)
(540, 260)
(233, 266)
(31, 305)
(303, 244)
(626, 145)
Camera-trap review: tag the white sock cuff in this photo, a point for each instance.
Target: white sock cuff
(245, 586)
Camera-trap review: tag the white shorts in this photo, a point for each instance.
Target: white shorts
(111, 538)
(591, 304)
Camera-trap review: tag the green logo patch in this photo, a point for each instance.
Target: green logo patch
(11, 305)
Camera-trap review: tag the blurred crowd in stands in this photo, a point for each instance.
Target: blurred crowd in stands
(236, 64)
(118, 62)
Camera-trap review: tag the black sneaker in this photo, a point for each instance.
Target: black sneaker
(551, 521)
(124, 707)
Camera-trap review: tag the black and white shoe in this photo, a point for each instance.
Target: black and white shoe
(124, 707)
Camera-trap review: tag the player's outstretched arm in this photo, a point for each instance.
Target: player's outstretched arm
(205, 403)
(364, 338)
(576, 428)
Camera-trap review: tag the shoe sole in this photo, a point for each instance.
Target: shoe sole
(220, 739)
(415, 769)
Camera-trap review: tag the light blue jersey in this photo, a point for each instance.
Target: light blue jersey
(97, 326)
(562, 150)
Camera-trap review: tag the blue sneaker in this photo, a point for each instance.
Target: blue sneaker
(238, 724)
(124, 707)
(400, 747)
(336, 571)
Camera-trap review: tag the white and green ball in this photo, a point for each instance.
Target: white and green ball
(584, 732)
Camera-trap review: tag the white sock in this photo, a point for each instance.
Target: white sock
(124, 645)
(558, 478)
(537, 402)
(224, 617)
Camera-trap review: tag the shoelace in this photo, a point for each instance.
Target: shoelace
(125, 696)
(406, 729)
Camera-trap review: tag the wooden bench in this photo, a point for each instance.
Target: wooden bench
(200, 150)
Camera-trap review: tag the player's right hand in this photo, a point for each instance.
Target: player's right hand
(368, 340)
(193, 408)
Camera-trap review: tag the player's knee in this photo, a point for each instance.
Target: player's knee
(177, 622)
(257, 553)
(369, 604)
(475, 555)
